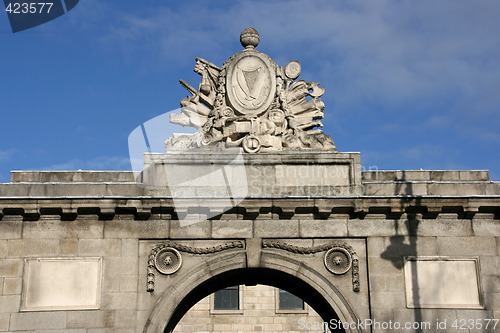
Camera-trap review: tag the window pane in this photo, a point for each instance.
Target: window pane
(227, 299)
(288, 301)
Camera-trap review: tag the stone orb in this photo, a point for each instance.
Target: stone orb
(249, 38)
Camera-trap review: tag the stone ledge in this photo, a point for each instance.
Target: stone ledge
(71, 176)
(428, 188)
(424, 175)
(145, 208)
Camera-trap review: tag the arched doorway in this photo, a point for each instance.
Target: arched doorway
(229, 269)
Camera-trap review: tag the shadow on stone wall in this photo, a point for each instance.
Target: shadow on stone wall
(404, 242)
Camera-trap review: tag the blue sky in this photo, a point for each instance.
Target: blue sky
(409, 84)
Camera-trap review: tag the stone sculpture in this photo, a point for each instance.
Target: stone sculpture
(253, 103)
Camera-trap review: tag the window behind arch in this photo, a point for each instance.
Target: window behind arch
(286, 302)
(227, 300)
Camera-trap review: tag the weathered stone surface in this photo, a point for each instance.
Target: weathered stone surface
(12, 286)
(375, 245)
(74, 189)
(11, 227)
(492, 189)
(125, 318)
(490, 265)
(444, 227)
(232, 229)
(71, 176)
(476, 175)
(466, 246)
(11, 267)
(99, 247)
(486, 227)
(33, 247)
(456, 189)
(52, 228)
(128, 283)
(492, 301)
(386, 283)
(387, 300)
(183, 229)
(124, 301)
(491, 283)
(278, 228)
(334, 227)
(10, 303)
(395, 247)
(68, 246)
(4, 322)
(123, 228)
(390, 266)
(37, 321)
(425, 175)
(376, 226)
(89, 319)
(403, 188)
(130, 247)
(3, 249)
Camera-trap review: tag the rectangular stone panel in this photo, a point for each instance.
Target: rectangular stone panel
(238, 175)
(442, 282)
(61, 284)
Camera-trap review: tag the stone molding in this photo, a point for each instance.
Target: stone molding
(144, 208)
(182, 248)
(270, 244)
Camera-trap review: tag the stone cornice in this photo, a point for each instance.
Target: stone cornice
(143, 208)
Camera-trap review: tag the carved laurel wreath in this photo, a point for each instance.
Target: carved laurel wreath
(339, 258)
(166, 257)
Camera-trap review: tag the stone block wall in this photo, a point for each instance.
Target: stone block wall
(258, 315)
(83, 237)
(424, 214)
(446, 237)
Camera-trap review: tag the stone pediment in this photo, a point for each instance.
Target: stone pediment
(252, 103)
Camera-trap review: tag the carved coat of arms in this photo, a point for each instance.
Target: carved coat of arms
(253, 103)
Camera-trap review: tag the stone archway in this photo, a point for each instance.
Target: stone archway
(228, 269)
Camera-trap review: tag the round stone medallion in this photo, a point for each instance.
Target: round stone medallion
(338, 260)
(251, 144)
(292, 70)
(168, 260)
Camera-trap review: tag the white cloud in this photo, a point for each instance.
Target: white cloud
(427, 65)
(378, 52)
(7, 155)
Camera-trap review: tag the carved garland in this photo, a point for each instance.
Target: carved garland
(339, 258)
(166, 258)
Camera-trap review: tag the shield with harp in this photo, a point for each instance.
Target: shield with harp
(251, 84)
